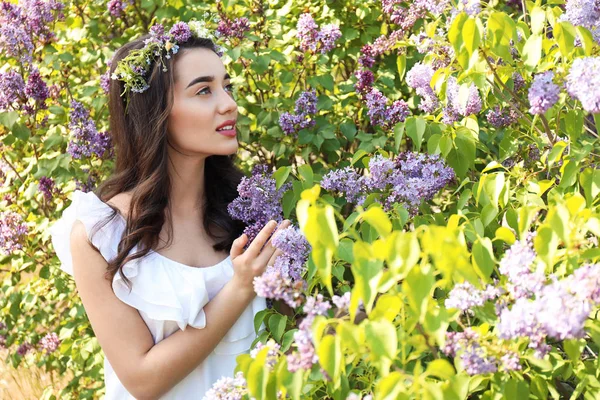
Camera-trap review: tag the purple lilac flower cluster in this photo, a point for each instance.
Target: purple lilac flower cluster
(272, 353)
(12, 232)
(419, 78)
(24, 349)
(274, 285)
(543, 93)
(86, 140)
(47, 187)
(26, 24)
(15, 92)
(305, 357)
(382, 115)
(313, 39)
(476, 357)
(364, 81)
(116, 8)
(296, 250)
(559, 310)
(228, 388)
(259, 201)
(583, 80)
(500, 117)
(88, 186)
(585, 13)
(410, 179)
(518, 265)
(342, 302)
(283, 280)
(306, 106)
(233, 29)
(405, 17)
(464, 296)
(50, 342)
(455, 107)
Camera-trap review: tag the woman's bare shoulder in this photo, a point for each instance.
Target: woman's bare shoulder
(121, 201)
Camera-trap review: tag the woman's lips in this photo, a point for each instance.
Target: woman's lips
(229, 133)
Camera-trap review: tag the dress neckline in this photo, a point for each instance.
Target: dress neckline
(157, 254)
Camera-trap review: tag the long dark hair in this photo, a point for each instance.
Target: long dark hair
(140, 140)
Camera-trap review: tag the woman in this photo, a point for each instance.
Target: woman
(148, 250)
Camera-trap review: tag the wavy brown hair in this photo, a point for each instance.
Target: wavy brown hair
(139, 134)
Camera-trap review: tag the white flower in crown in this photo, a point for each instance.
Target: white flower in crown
(199, 29)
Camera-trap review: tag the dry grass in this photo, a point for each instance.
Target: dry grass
(26, 382)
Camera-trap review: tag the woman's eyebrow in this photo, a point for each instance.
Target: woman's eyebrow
(205, 79)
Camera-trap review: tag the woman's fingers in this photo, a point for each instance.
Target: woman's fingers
(237, 248)
(274, 256)
(262, 237)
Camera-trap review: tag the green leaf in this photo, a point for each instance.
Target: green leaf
(565, 35)
(277, 324)
(391, 387)
(8, 119)
(288, 339)
(455, 32)
(367, 271)
(259, 318)
(590, 181)
(483, 257)
(378, 219)
(440, 368)
(382, 340)
(470, 35)
(306, 173)
(538, 20)
(532, 51)
(21, 132)
(330, 357)
(418, 286)
(281, 175)
(573, 348)
(506, 235)
(415, 129)
(401, 65)
(388, 306)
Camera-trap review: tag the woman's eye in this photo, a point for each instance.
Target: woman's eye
(204, 90)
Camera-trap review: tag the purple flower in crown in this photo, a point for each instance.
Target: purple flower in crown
(116, 8)
(181, 32)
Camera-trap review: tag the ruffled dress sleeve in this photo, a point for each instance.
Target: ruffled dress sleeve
(159, 291)
(90, 210)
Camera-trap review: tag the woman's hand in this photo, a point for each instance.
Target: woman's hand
(252, 262)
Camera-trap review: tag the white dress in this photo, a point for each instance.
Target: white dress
(168, 295)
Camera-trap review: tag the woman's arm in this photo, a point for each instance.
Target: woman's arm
(147, 370)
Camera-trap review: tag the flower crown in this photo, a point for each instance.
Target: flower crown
(133, 70)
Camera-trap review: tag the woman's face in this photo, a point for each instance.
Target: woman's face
(202, 102)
